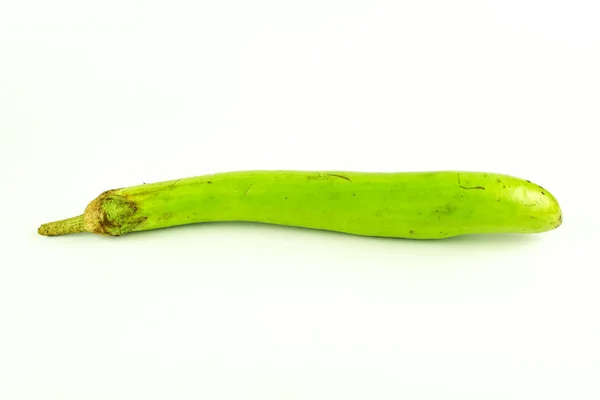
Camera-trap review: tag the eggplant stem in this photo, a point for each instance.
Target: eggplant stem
(62, 227)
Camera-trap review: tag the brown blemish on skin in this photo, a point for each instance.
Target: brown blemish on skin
(411, 232)
(446, 209)
(140, 221)
(467, 187)
(247, 190)
(172, 185)
(341, 177)
(472, 187)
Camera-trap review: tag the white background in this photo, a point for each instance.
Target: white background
(99, 95)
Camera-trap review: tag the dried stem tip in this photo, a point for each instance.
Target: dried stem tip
(63, 227)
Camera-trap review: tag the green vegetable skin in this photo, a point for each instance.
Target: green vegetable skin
(418, 205)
